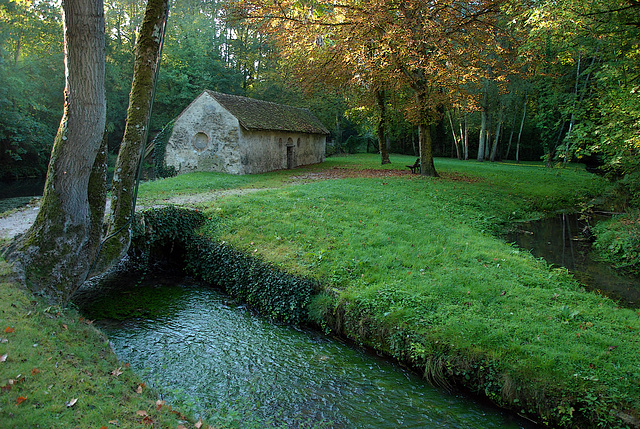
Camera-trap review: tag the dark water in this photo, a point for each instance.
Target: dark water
(221, 362)
(21, 188)
(561, 240)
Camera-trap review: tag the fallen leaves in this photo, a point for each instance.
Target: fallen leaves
(71, 403)
(140, 387)
(20, 400)
(146, 419)
(3, 358)
(116, 372)
(9, 330)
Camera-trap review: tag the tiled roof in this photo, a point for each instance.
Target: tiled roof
(258, 115)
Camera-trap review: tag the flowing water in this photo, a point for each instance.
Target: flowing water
(212, 357)
(561, 241)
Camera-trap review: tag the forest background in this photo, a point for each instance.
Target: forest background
(558, 81)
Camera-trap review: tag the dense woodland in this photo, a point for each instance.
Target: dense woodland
(492, 80)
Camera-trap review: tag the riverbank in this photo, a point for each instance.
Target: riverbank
(411, 267)
(58, 371)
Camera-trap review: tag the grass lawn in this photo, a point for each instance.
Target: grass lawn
(412, 267)
(58, 371)
(409, 265)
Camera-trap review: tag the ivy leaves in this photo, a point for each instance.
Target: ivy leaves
(270, 290)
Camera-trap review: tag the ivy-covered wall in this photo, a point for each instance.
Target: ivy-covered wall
(171, 233)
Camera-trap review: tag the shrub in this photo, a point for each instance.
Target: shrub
(618, 240)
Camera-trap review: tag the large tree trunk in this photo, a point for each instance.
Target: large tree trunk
(424, 139)
(56, 253)
(426, 151)
(483, 126)
(382, 141)
(124, 190)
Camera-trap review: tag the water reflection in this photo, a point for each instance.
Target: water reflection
(564, 240)
(204, 352)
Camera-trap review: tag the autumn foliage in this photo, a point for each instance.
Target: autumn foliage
(434, 50)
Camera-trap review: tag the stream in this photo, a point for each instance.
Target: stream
(560, 241)
(216, 359)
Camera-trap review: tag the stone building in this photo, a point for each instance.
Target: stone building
(240, 135)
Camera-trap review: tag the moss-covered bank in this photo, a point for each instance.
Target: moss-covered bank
(457, 343)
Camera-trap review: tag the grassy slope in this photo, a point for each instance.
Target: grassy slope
(52, 357)
(416, 272)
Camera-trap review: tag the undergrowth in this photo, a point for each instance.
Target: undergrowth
(273, 292)
(618, 240)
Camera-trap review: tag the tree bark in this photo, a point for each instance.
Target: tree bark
(483, 127)
(427, 168)
(124, 189)
(382, 141)
(56, 253)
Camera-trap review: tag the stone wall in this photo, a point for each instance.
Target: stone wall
(206, 137)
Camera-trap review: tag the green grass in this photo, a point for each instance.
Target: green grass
(59, 372)
(411, 266)
(415, 270)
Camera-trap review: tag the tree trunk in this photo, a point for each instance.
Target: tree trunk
(413, 144)
(487, 134)
(382, 141)
(56, 253)
(494, 148)
(426, 151)
(453, 132)
(483, 127)
(513, 128)
(466, 136)
(124, 192)
(524, 115)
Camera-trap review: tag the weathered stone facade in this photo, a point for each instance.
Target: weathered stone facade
(240, 135)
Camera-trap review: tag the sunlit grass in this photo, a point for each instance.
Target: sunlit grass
(420, 255)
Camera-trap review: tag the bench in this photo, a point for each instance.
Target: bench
(415, 168)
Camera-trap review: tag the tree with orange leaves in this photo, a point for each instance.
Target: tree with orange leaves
(433, 48)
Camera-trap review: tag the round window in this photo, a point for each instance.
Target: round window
(200, 141)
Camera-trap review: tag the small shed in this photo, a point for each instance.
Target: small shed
(240, 135)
